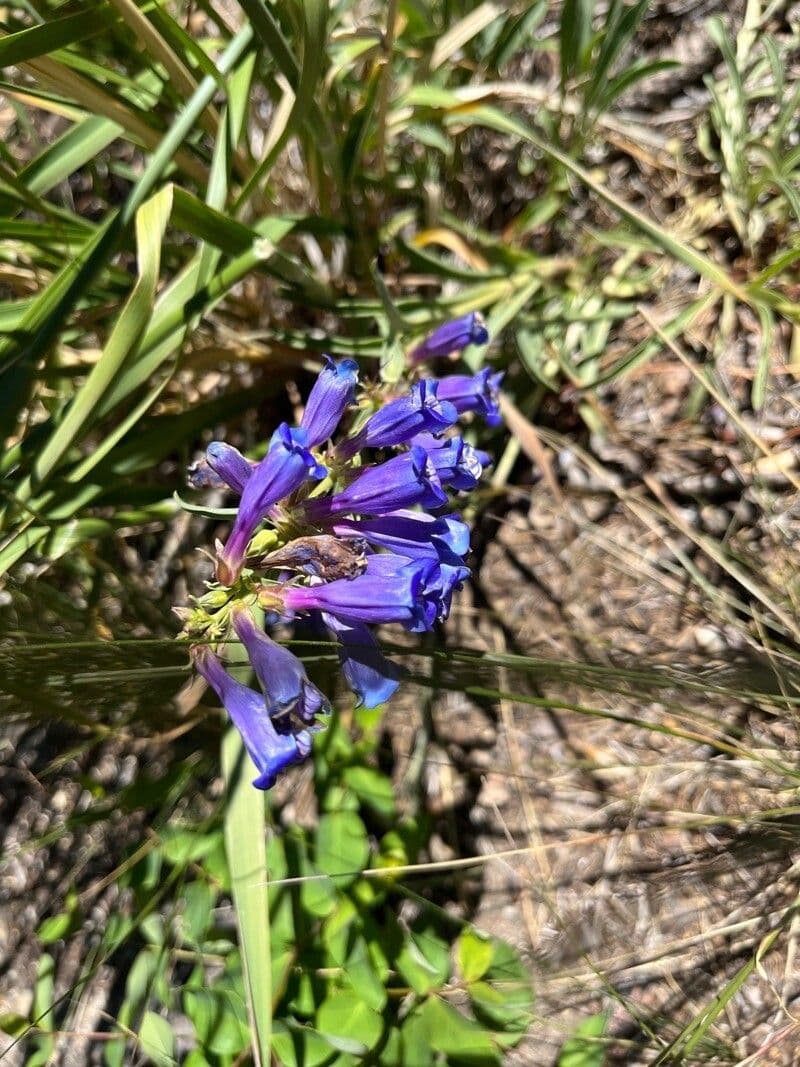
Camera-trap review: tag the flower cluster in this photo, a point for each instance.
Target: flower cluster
(345, 534)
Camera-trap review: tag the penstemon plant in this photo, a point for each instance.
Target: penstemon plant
(328, 531)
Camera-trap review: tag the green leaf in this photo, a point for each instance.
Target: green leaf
(13, 1024)
(424, 961)
(246, 848)
(580, 1050)
(372, 788)
(198, 904)
(157, 1040)
(219, 1019)
(411, 1044)
(297, 1046)
(474, 954)
(361, 976)
(575, 33)
(181, 847)
(151, 222)
(342, 846)
(348, 1024)
(452, 1033)
(16, 48)
(43, 1043)
(140, 977)
(63, 924)
(502, 998)
(621, 23)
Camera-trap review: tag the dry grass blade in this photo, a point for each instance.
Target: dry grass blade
(704, 379)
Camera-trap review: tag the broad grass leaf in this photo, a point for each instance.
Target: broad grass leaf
(575, 32)
(49, 36)
(245, 846)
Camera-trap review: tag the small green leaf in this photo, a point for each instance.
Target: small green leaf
(219, 1019)
(157, 1040)
(140, 977)
(198, 902)
(456, 1036)
(362, 978)
(348, 1024)
(61, 925)
(504, 997)
(372, 788)
(298, 1046)
(342, 846)
(474, 953)
(424, 962)
(411, 1044)
(182, 847)
(13, 1024)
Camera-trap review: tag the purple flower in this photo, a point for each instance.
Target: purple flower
(201, 475)
(477, 392)
(270, 751)
(230, 464)
(332, 392)
(440, 581)
(399, 420)
(457, 463)
(386, 594)
(371, 676)
(285, 467)
(280, 673)
(452, 337)
(409, 533)
(398, 483)
(223, 466)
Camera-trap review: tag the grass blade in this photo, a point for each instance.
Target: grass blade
(151, 222)
(246, 849)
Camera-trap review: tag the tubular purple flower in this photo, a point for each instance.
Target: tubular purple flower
(398, 483)
(201, 475)
(399, 420)
(280, 673)
(371, 676)
(331, 394)
(452, 337)
(457, 463)
(372, 597)
(439, 583)
(409, 533)
(477, 392)
(270, 751)
(229, 463)
(287, 464)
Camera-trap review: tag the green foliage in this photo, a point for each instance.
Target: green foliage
(586, 1047)
(347, 976)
